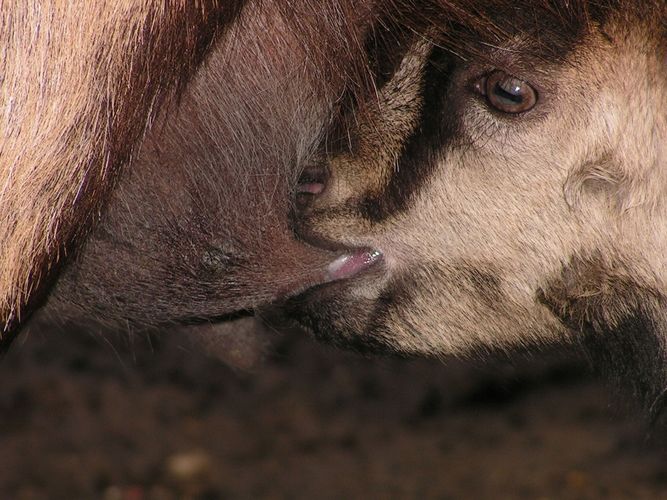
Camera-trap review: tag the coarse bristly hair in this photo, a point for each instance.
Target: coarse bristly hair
(199, 222)
(79, 82)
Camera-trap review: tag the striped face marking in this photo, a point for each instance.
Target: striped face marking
(478, 168)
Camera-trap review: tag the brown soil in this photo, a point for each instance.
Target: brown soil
(82, 417)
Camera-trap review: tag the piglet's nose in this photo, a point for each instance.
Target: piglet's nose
(313, 181)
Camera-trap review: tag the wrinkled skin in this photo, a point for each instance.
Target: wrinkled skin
(198, 227)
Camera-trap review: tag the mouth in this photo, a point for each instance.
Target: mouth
(352, 261)
(331, 311)
(312, 183)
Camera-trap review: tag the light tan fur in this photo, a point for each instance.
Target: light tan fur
(511, 201)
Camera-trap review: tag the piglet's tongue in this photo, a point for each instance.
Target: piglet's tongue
(349, 265)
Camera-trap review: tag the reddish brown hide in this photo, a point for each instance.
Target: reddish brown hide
(80, 80)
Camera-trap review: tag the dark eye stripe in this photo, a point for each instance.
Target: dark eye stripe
(437, 125)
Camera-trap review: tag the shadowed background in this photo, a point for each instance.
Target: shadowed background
(82, 416)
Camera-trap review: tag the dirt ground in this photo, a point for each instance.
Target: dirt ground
(155, 418)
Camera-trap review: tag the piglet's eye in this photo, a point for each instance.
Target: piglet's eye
(507, 93)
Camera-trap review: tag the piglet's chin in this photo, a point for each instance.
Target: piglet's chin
(352, 264)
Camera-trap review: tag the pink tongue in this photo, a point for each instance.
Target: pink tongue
(352, 264)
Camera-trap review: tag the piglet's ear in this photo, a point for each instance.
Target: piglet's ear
(620, 322)
(602, 180)
(607, 180)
